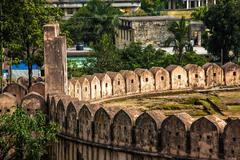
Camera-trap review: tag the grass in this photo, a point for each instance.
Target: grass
(196, 104)
(234, 107)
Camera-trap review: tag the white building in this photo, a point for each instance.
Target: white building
(70, 7)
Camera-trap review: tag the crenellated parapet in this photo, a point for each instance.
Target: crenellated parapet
(156, 79)
(96, 132)
(151, 132)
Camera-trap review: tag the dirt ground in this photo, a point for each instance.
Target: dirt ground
(224, 103)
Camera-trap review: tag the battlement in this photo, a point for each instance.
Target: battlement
(156, 79)
(151, 133)
(96, 132)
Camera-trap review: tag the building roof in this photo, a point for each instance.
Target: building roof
(217, 121)
(154, 70)
(158, 116)
(112, 75)
(150, 18)
(185, 118)
(207, 65)
(189, 67)
(229, 64)
(126, 73)
(100, 76)
(170, 68)
(72, 52)
(140, 71)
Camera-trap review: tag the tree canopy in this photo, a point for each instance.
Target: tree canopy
(223, 23)
(25, 137)
(106, 57)
(22, 28)
(180, 39)
(92, 21)
(109, 58)
(152, 7)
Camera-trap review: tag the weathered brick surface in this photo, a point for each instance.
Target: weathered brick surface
(121, 133)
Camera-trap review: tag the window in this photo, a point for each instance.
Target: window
(106, 85)
(146, 79)
(118, 82)
(210, 150)
(77, 90)
(162, 78)
(95, 87)
(214, 74)
(179, 76)
(196, 75)
(85, 89)
(234, 139)
(70, 11)
(234, 73)
(132, 81)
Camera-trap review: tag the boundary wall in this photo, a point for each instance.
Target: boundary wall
(157, 79)
(95, 132)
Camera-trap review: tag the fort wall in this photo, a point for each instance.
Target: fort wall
(95, 132)
(156, 79)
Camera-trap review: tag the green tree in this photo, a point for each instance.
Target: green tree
(25, 137)
(92, 21)
(105, 58)
(134, 56)
(223, 23)
(152, 7)
(194, 58)
(199, 13)
(73, 69)
(180, 40)
(22, 29)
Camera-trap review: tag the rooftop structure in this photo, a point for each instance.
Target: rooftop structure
(70, 7)
(152, 30)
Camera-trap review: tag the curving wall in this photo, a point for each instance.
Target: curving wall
(97, 132)
(156, 79)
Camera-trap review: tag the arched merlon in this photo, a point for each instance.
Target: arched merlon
(231, 138)
(33, 102)
(174, 138)
(205, 135)
(156, 79)
(17, 90)
(149, 132)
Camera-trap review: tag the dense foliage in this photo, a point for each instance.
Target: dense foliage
(223, 23)
(22, 28)
(152, 7)
(24, 137)
(92, 21)
(109, 58)
(180, 40)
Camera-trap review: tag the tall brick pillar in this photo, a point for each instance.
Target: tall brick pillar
(55, 60)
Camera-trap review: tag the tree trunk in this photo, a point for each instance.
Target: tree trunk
(225, 56)
(29, 74)
(1, 69)
(10, 73)
(29, 69)
(180, 55)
